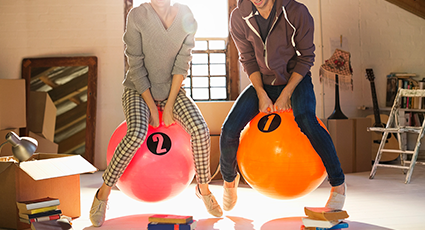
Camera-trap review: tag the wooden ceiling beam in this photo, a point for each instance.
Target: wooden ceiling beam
(416, 7)
(70, 117)
(73, 142)
(69, 89)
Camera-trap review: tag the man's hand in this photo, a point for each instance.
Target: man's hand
(265, 104)
(283, 102)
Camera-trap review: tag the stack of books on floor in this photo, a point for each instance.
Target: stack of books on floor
(43, 214)
(322, 218)
(171, 222)
(39, 210)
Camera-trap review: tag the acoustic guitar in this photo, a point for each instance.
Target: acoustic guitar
(378, 121)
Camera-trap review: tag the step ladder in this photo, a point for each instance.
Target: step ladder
(396, 124)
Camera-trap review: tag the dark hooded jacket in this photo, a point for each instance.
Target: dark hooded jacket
(288, 47)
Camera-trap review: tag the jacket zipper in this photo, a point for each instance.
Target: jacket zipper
(256, 32)
(267, 38)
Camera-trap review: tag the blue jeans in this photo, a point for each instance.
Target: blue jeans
(303, 102)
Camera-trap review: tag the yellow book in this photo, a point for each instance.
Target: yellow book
(38, 210)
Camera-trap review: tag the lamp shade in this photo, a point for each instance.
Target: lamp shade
(337, 70)
(22, 147)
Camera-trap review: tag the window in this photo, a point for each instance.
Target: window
(208, 75)
(211, 16)
(207, 78)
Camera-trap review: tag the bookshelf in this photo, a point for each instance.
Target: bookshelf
(412, 110)
(408, 139)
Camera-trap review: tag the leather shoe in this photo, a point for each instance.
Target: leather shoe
(210, 202)
(230, 195)
(97, 211)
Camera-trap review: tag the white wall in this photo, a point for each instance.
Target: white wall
(43, 28)
(378, 34)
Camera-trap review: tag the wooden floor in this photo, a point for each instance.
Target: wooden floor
(385, 202)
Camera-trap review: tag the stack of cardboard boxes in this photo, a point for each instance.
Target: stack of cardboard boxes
(46, 174)
(41, 119)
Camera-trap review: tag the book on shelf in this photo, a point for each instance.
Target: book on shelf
(38, 210)
(401, 75)
(171, 219)
(421, 86)
(324, 213)
(392, 88)
(307, 222)
(41, 214)
(340, 225)
(24, 206)
(420, 118)
(60, 224)
(191, 225)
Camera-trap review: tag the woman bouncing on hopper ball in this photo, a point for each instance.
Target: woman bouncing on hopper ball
(159, 38)
(275, 43)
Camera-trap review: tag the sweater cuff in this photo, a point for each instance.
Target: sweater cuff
(302, 70)
(251, 69)
(180, 71)
(141, 81)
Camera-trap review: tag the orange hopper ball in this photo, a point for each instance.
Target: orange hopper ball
(277, 159)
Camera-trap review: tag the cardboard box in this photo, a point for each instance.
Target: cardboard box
(12, 104)
(215, 158)
(363, 144)
(44, 145)
(42, 116)
(214, 113)
(53, 175)
(353, 143)
(342, 134)
(6, 150)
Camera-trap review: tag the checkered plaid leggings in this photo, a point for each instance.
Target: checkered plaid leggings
(137, 117)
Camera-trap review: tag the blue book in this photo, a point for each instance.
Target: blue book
(338, 226)
(162, 226)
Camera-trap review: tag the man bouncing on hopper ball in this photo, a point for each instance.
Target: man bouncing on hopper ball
(275, 43)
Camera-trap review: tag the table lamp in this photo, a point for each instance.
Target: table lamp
(22, 147)
(338, 72)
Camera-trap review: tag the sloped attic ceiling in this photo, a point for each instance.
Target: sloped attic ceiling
(416, 7)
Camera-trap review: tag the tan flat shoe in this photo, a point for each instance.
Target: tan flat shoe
(98, 211)
(230, 195)
(210, 202)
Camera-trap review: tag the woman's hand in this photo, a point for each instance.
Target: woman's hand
(154, 118)
(167, 115)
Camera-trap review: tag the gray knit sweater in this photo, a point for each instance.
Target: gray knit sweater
(154, 53)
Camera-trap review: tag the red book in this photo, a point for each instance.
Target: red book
(45, 218)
